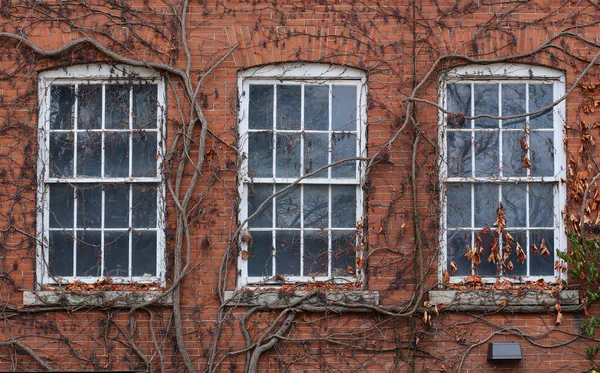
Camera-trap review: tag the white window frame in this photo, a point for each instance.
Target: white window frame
(299, 73)
(102, 74)
(506, 73)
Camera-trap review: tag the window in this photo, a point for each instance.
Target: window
(100, 192)
(502, 173)
(295, 120)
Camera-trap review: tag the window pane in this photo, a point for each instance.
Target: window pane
(486, 154)
(459, 154)
(288, 208)
(89, 153)
(116, 254)
(514, 202)
(144, 206)
(145, 154)
(61, 206)
(89, 110)
(343, 146)
(62, 100)
(459, 101)
(344, 108)
(116, 199)
(540, 96)
(116, 156)
(486, 205)
(117, 106)
(260, 108)
(60, 249)
(513, 153)
(457, 248)
(486, 102)
(89, 253)
(459, 205)
(513, 103)
(316, 107)
(143, 261)
(519, 269)
(260, 154)
(542, 153)
(260, 259)
(343, 206)
(316, 153)
(315, 253)
(288, 107)
(542, 265)
(144, 106)
(89, 206)
(287, 253)
(257, 194)
(486, 241)
(316, 206)
(541, 205)
(61, 154)
(288, 155)
(343, 253)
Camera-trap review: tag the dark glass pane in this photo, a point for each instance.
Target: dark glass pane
(459, 205)
(457, 248)
(343, 206)
(144, 106)
(89, 153)
(513, 103)
(89, 206)
(260, 259)
(145, 154)
(542, 153)
(542, 265)
(514, 202)
(143, 252)
(61, 206)
(288, 208)
(519, 269)
(260, 154)
(486, 102)
(116, 254)
(260, 108)
(89, 110)
(343, 146)
(459, 101)
(513, 153)
(541, 205)
(60, 246)
(257, 194)
(288, 107)
(486, 241)
(144, 206)
(343, 253)
(343, 113)
(89, 253)
(62, 100)
(61, 154)
(288, 155)
(486, 154)
(116, 199)
(117, 106)
(459, 154)
(116, 156)
(316, 153)
(486, 205)
(315, 253)
(316, 206)
(540, 96)
(316, 107)
(287, 252)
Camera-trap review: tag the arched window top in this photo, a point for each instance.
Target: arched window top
(502, 71)
(303, 70)
(100, 71)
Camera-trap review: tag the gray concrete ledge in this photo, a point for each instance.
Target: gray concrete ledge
(118, 299)
(275, 298)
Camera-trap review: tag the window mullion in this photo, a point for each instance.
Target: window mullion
(274, 233)
(75, 203)
(103, 127)
(75, 128)
(329, 235)
(130, 231)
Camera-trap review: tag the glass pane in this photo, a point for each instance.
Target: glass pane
(62, 100)
(260, 259)
(260, 108)
(514, 101)
(144, 206)
(459, 101)
(288, 155)
(288, 208)
(459, 154)
(143, 261)
(343, 114)
(116, 154)
(316, 206)
(486, 205)
(514, 203)
(89, 110)
(541, 205)
(116, 254)
(287, 253)
(542, 263)
(486, 241)
(316, 107)
(513, 153)
(542, 153)
(486, 102)
(315, 253)
(457, 248)
(61, 206)
(343, 253)
(257, 194)
(61, 154)
(343, 206)
(145, 154)
(145, 104)
(288, 107)
(260, 154)
(343, 146)
(486, 154)
(116, 199)
(316, 153)
(459, 205)
(117, 106)
(89, 153)
(89, 206)
(60, 250)
(519, 269)
(540, 96)
(89, 253)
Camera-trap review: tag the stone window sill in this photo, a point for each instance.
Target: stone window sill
(505, 301)
(117, 299)
(274, 298)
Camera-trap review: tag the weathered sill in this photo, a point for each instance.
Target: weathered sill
(505, 301)
(276, 299)
(117, 299)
